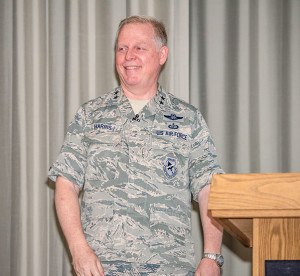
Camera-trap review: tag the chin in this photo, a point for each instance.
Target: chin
(131, 82)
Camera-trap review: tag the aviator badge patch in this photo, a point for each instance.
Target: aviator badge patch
(173, 117)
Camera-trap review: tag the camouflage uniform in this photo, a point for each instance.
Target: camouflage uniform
(138, 174)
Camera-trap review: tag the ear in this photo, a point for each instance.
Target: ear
(163, 55)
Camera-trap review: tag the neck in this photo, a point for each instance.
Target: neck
(139, 93)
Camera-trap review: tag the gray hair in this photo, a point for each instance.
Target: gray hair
(160, 37)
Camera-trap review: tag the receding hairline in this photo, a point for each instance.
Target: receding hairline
(160, 35)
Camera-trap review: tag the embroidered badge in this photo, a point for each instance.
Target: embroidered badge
(172, 134)
(170, 168)
(173, 117)
(103, 126)
(173, 126)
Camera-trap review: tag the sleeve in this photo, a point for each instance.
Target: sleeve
(72, 159)
(203, 158)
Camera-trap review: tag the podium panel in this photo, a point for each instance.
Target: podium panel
(275, 239)
(261, 211)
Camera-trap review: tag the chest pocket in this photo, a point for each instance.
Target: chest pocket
(178, 141)
(170, 154)
(104, 145)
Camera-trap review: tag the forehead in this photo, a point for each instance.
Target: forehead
(136, 32)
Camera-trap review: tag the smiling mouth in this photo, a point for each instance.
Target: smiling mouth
(132, 67)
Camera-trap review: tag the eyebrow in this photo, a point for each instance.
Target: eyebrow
(137, 43)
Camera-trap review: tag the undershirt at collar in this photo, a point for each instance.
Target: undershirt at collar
(137, 105)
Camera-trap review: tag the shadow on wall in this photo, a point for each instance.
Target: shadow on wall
(244, 253)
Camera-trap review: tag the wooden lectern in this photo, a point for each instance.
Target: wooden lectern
(261, 211)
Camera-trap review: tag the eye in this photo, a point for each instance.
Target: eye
(139, 48)
(121, 49)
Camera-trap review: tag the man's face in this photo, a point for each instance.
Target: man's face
(138, 60)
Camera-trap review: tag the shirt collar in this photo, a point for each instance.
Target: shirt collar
(160, 102)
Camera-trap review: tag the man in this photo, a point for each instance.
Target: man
(137, 153)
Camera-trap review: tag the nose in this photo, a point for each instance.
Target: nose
(130, 54)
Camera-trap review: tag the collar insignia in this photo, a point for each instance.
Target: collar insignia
(116, 95)
(162, 99)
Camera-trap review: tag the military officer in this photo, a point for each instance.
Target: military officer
(139, 154)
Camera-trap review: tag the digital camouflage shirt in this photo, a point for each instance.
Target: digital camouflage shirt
(138, 173)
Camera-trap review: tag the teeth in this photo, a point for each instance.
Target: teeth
(132, 67)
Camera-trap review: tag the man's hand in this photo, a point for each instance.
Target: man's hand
(208, 267)
(213, 234)
(85, 262)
